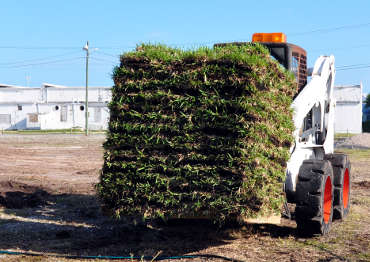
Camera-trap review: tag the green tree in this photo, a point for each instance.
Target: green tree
(367, 101)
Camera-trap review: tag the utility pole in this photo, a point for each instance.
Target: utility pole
(86, 48)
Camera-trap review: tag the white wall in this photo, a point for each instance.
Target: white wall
(68, 115)
(14, 116)
(53, 108)
(348, 118)
(73, 94)
(19, 95)
(348, 110)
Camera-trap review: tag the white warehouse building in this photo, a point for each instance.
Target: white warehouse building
(52, 107)
(348, 109)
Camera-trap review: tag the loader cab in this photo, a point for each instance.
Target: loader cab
(292, 57)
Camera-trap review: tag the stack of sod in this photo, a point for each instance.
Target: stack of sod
(197, 133)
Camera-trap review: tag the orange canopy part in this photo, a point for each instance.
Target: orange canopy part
(269, 37)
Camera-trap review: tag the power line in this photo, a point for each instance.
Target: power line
(340, 48)
(354, 67)
(118, 47)
(319, 30)
(107, 54)
(104, 60)
(330, 29)
(39, 47)
(22, 64)
(38, 59)
(61, 47)
(43, 63)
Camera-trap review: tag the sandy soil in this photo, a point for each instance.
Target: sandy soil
(360, 141)
(49, 205)
(57, 162)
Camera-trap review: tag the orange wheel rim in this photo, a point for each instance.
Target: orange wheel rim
(327, 200)
(346, 188)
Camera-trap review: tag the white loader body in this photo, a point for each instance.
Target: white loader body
(314, 121)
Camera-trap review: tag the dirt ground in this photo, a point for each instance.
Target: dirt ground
(48, 205)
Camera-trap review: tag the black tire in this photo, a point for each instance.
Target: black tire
(314, 197)
(342, 184)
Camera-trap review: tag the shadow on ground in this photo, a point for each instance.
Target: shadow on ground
(73, 224)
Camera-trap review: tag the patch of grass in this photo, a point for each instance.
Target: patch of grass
(364, 256)
(167, 55)
(318, 244)
(355, 153)
(52, 131)
(343, 135)
(363, 200)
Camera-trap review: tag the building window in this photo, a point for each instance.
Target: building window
(19, 108)
(34, 118)
(97, 114)
(56, 108)
(82, 108)
(63, 114)
(5, 119)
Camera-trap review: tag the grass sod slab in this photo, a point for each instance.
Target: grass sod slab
(196, 133)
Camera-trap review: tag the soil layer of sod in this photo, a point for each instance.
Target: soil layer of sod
(201, 133)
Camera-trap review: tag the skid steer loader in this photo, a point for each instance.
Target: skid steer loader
(317, 180)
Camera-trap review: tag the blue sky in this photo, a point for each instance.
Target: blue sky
(42, 40)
